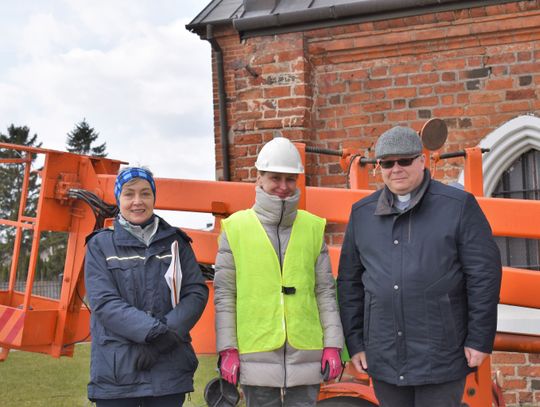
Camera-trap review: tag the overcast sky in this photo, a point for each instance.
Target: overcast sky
(131, 68)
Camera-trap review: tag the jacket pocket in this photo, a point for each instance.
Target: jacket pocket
(125, 372)
(115, 364)
(181, 360)
(190, 361)
(127, 277)
(447, 320)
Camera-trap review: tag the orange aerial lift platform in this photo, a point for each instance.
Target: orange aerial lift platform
(76, 197)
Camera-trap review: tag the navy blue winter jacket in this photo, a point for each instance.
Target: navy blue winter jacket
(415, 287)
(129, 298)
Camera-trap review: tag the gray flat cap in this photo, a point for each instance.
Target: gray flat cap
(398, 141)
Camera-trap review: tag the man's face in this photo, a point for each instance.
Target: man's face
(402, 179)
(137, 201)
(277, 183)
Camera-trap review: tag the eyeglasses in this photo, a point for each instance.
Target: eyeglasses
(402, 162)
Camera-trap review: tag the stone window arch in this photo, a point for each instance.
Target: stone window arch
(507, 144)
(511, 145)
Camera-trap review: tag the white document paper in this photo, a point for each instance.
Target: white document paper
(173, 276)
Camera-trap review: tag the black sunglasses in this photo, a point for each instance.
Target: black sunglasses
(402, 162)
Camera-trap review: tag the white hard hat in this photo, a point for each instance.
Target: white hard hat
(280, 155)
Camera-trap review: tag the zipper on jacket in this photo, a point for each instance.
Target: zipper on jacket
(278, 238)
(284, 389)
(410, 225)
(283, 303)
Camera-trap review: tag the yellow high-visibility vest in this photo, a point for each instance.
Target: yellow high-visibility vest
(266, 315)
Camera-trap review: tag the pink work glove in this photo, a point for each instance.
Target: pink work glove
(330, 363)
(229, 365)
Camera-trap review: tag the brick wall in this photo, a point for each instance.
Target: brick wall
(521, 372)
(341, 87)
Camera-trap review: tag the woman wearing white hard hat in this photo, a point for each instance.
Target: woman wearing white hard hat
(277, 323)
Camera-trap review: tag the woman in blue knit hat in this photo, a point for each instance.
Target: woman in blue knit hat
(141, 350)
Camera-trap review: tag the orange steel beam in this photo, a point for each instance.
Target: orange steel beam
(512, 217)
(510, 342)
(332, 203)
(18, 233)
(478, 386)
(14, 160)
(508, 217)
(23, 225)
(203, 333)
(474, 181)
(348, 389)
(520, 287)
(201, 196)
(301, 183)
(205, 244)
(358, 173)
(34, 252)
(40, 150)
(190, 195)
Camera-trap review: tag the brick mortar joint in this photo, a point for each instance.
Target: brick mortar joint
(426, 27)
(441, 36)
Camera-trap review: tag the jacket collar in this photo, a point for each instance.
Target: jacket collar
(145, 232)
(272, 210)
(385, 203)
(123, 237)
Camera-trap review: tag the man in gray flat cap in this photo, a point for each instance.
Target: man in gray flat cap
(418, 282)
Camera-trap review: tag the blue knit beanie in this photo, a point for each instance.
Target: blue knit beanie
(130, 173)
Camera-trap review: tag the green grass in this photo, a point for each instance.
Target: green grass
(35, 380)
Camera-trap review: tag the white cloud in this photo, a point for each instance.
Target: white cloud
(42, 35)
(130, 68)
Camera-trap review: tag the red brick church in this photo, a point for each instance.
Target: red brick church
(337, 73)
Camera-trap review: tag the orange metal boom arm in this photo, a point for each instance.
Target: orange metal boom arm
(41, 324)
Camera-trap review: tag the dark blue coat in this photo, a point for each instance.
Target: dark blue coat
(415, 287)
(128, 297)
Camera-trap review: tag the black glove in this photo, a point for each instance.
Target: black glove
(162, 344)
(166, 342)
(148, 356)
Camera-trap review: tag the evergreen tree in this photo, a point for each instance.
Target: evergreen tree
(12, 175)
(80, 141)
(11, 182)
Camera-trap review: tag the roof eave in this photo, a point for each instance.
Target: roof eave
(330, 16)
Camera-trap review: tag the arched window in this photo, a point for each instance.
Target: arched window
(512, 170)
(507, 143)
(521, 180)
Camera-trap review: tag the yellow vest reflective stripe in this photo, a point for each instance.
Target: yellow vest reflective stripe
(265, 316)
